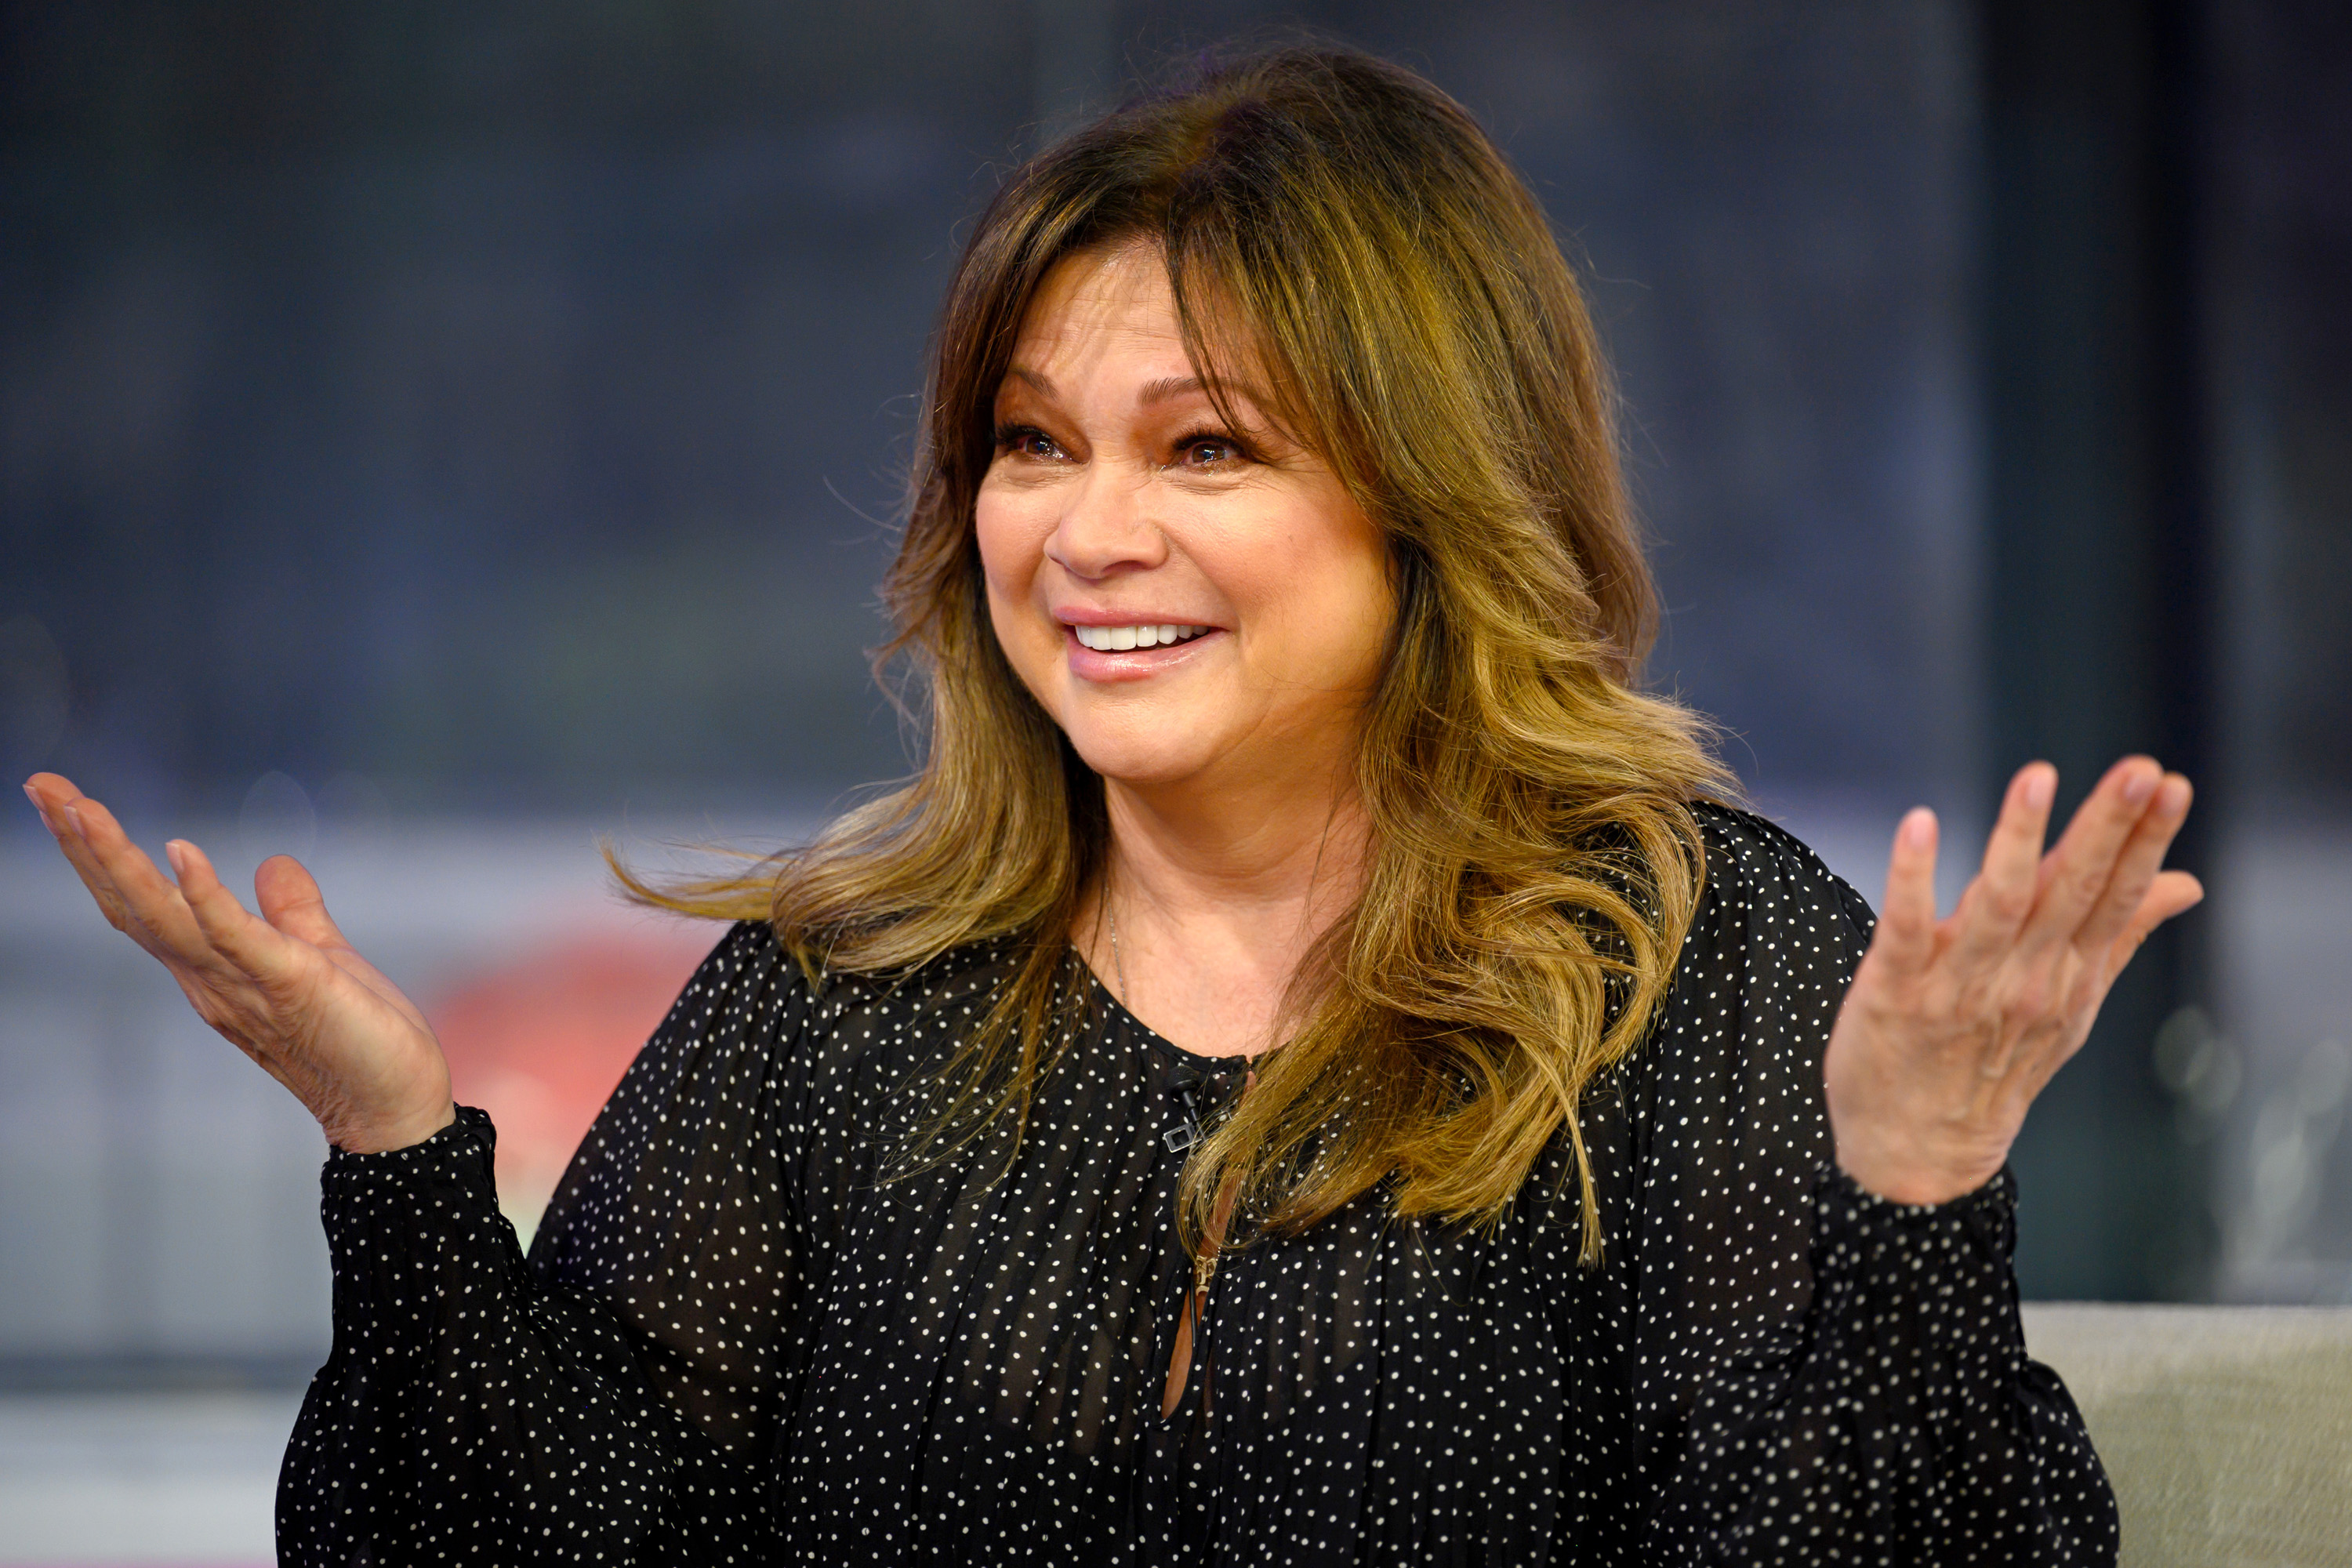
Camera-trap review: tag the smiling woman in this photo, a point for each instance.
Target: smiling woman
(1122, 499)
(1310, 1070)
(1122, 496)
(1292, 358)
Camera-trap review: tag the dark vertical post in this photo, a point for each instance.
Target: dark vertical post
(2101, 579)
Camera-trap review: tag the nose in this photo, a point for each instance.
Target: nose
(1106, 526)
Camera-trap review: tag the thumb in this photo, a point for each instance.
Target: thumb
(290, 900)
(1905, 939)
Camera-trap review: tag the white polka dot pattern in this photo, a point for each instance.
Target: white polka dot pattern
(747, 1334)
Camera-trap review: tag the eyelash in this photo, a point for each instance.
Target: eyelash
(1010, 436)
(1241, 454)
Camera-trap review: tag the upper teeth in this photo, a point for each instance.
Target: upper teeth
(1118, 640)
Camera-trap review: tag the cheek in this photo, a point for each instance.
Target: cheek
(1012, 548)
(996, 529)
(1338, 602)
(1356, 639)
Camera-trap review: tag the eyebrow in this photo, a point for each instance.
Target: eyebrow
(1160, 391)
(1171, 386)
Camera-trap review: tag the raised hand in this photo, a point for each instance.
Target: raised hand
(284, 987)
(1952, 1027)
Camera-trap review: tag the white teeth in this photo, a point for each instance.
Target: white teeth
(1119, 639)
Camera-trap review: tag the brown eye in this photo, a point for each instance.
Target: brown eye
(1210, 452)
(1027, 441)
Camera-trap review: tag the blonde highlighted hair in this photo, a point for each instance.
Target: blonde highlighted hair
(1533, 862)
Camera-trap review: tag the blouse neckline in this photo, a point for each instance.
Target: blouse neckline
(1121, 1018)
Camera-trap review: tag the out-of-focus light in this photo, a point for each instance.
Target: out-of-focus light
(540, 1043)
(276, 818)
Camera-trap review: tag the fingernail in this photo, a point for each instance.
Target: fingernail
(2139, 785)
(73, 820)
(1918, 827)
(2040, 788)
(2175, 796)
(177, 854)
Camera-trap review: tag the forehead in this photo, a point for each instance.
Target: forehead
(1098, 302)
(1108, 315)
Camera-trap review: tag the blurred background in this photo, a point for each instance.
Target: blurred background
(434, 435)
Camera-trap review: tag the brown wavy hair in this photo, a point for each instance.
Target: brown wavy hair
(1533, 861)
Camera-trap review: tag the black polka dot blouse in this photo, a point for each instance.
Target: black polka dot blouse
(733, 1343)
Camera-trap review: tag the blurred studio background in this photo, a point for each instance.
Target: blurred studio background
(432, 435)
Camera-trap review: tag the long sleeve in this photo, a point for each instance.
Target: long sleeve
(1825, 1376)
(610, 1400)
(746, 1333)
(1901, 1420)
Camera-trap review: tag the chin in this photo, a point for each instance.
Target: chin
(1143, 760)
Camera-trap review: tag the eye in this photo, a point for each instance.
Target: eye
(1207, 450)
(1027, 441)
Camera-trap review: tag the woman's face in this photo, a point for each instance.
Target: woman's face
(1192, 601)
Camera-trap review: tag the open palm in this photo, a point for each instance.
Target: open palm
(1951, 1027)
(284, 986)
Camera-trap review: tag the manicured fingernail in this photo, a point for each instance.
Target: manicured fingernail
(2174, 797)
(73, 820)
(2139, 784)
(177, 854)
(1918, 827)
(2040, 788)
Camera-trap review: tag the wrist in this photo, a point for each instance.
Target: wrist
(1910, 1176)
(383, 1136)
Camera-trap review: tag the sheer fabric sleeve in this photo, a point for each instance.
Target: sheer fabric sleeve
(608, 1401)
(1822, 1375)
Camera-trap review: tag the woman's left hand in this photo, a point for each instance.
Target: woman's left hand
(1952, 1027)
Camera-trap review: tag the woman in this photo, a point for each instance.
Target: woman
(1307, 1072)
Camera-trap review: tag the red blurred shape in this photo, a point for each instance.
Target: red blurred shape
(541, 1042)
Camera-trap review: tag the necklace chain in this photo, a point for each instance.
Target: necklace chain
(1118, 964)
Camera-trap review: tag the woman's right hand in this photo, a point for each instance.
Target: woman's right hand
(284, 987)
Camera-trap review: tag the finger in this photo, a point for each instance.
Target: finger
(1996, 904)
(1906, 922)
(150, 900)
(2171, 893)
(247, 941)
(40, 787)
(2136, 864)
(290, 901)
(50, 790)
(54, 796)
(2157, 897)
(2076, 874)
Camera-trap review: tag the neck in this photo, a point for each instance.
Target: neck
(1219, 894)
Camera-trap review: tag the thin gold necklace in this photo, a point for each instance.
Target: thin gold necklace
(1118, 964)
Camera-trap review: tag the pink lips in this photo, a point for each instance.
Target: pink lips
(1134, 664)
